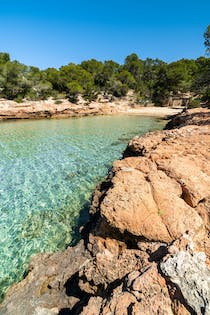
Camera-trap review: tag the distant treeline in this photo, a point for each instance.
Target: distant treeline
(151, 79)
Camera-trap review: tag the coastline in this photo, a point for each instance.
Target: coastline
(152, 111)
(124, 263)
(49, 109)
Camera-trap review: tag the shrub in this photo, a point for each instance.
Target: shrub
(18, 99)
(58, 102)
(194, 103)
(74, 89)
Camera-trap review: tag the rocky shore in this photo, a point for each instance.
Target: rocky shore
(63, 109)
(146, 248)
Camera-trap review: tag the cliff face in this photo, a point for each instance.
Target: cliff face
(146, 249)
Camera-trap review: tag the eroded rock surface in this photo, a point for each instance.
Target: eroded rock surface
(195, 116)
(162, 185)
(146, 249)
(190, 273)
(44, 290)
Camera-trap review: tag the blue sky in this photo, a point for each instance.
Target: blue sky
(53, 33)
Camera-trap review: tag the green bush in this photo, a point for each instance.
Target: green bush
(74, 89)
(117, 88)
(194, 103)
(18, 99)
(31, 95)
(57, 102)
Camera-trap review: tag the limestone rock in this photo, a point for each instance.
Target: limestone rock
(190, 273)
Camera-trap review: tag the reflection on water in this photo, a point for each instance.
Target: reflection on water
(48, 170)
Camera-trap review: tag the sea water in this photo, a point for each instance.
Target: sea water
(48, 171)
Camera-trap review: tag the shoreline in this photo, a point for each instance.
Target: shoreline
(156, 111)
(121, 261)
(10, 110)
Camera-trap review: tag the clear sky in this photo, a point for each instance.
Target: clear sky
(49, 33)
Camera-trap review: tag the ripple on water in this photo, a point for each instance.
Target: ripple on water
(48, 171)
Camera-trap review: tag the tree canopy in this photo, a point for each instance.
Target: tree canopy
(150, 79)
(207, 40)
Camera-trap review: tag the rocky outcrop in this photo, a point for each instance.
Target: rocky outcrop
(48, 109)
(195, 116)
(146, 248)
(63, 108)
(43, 291)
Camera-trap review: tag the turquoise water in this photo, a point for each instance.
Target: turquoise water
(48, 170)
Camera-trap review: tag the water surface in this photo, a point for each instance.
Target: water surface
(48, 170)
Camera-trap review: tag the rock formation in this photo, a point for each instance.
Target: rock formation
(146, 248)
(63, 108)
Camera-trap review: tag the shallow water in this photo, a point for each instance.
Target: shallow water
(48, 170)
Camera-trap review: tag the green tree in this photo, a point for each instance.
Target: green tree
(54, 77)
(4, 57)
(135, 66)
(126, 78)
(117, 88)
(74, 89)
(93, 66)
(13, 80)
(107, 73)
(149, 77)
(180, 74)
(201, 79)
(207, 40)
(80, 78)
(161, 88)
(38, 87)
